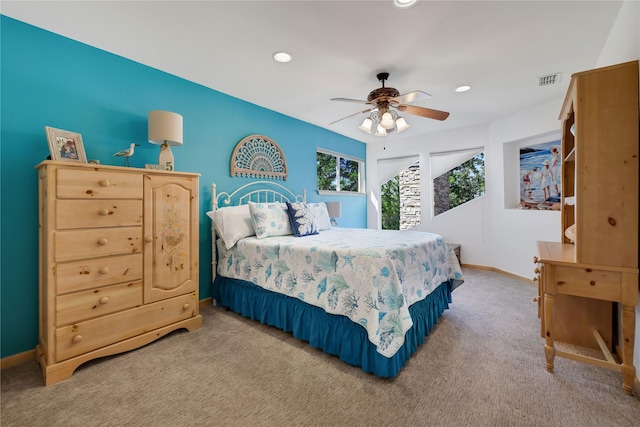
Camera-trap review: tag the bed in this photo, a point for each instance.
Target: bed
(369, 297)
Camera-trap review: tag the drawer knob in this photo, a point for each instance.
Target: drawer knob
(104, 300)
(186, 307)
(537, 271)
(103, 241)
(148, 239)
(104, 270)
(536, 299)
(105, 183)
(535, 259)
(103, 212)
(76, 339)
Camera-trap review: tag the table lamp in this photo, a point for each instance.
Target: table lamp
(165, 129)
(335, 211)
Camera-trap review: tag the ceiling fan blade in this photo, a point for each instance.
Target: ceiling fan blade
(359, 101)
(424, 112)
(410, 97)
(354, 114)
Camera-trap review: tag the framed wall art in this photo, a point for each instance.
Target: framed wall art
(65, 145)
(540, 176)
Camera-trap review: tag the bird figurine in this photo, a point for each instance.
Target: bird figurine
(126, 153)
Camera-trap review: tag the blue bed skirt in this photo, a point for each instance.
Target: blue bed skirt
(334, 334)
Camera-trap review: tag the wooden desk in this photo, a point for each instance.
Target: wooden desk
(575, 306)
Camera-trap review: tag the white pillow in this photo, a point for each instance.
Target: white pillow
(232, 224)
(270, 219)
(321, 215)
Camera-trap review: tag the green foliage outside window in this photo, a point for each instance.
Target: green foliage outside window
(337, 173)
(390, 196)
(348, 175)
(326, 168)
(466, 182)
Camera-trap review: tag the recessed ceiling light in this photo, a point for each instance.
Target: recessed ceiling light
(403, 4)
(282, 57)
(463, 88)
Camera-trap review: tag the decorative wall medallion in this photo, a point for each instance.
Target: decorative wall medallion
(258, 156)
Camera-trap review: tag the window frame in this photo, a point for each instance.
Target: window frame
(361, 175)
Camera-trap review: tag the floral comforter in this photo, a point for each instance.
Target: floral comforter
(370, 276)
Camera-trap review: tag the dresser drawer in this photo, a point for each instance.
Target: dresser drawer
(95, 273)
(82, 337)
(97, 213)
(98, 184)
(81, 244)
(589, 282)
(97, 302)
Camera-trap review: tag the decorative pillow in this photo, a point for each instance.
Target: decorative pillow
(270, 219)
(321, 215)
(232, 224)
(302, 220)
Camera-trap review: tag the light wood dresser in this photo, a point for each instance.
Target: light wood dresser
(588, 281)
(118, 261)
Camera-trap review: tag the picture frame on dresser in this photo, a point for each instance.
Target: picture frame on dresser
(65, 145)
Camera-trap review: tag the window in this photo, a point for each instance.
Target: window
(390, 206)
(400, 198)
(458, 177)
(337, 172)
(400, 192)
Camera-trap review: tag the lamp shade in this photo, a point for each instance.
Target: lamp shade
(165, 127)
(402, 125)
(334, 209)
(366, 125)
(387, 121)
(380, 131)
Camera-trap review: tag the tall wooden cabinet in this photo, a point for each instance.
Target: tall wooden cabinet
(118, 261)
(592, 273)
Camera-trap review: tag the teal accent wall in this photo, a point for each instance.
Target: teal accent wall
(50, 80)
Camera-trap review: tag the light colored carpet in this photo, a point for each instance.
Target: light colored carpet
(483, 365)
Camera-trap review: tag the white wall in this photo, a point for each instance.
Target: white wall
(514, 232)
(623, 43)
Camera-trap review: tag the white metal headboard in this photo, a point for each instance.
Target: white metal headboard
(256, 191)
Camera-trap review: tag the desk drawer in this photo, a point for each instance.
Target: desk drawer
(588, 282)
(98, 184)
(83, 337)
(97, 302)
(97, 213)
(99, 242)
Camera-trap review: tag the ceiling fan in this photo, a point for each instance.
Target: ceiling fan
(384, 101)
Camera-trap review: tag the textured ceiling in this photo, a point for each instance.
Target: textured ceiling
(500, 48)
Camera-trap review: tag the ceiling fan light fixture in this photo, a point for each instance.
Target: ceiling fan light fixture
(402, 125)
(403, 4)
(366, 125)
(387, 121)
(385, 104)
(380, 131)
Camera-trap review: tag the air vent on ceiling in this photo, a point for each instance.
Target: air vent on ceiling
(549, 79)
